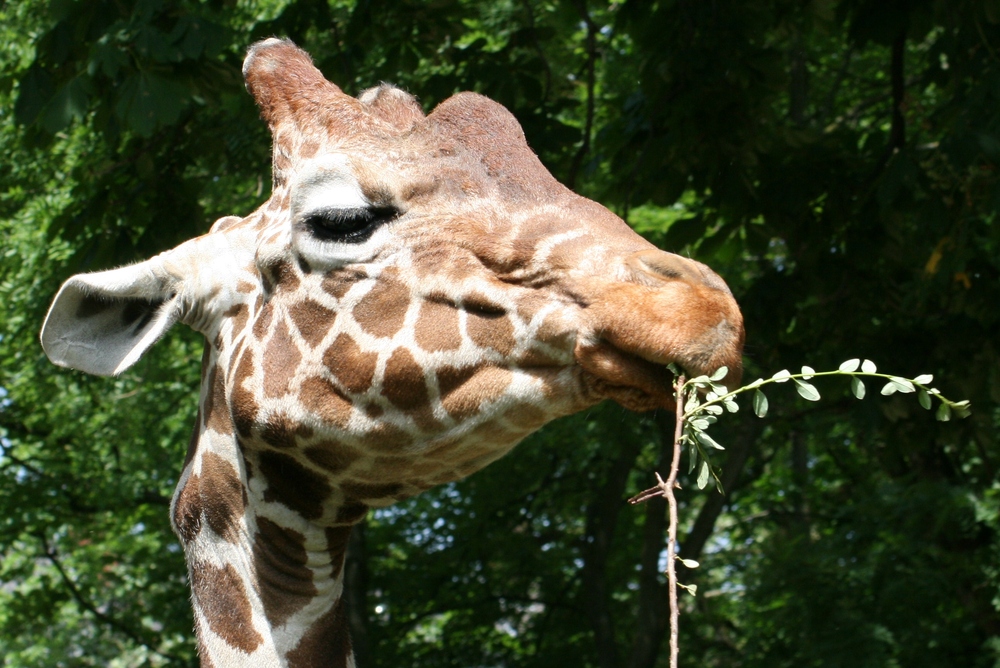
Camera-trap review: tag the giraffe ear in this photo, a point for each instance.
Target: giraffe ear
(103, 322)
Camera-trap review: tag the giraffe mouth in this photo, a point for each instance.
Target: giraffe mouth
(634, 382)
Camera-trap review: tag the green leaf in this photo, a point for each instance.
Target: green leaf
(689, 563)
(699, 424)
(943, 412)
(69, 102)
(902, 384)
(691, 589)
(806, 390)
(731, 405)
(868, 366)
(924, 399)
(720, 373)
(924, 379)
(707, 440)
(782, 376)
(889, 388)
(858, 388)
(693, 457)
(759, 403)
(714, 409)
(808, 372)
(703, 476)
(850, 365)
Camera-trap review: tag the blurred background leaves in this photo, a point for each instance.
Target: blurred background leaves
(835, 160)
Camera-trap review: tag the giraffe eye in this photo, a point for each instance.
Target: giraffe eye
(352, 225)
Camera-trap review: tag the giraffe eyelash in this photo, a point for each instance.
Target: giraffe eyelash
(348, 225)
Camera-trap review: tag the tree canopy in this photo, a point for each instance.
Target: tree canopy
(835, 161)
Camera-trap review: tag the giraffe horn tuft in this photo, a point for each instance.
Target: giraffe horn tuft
(290, 90)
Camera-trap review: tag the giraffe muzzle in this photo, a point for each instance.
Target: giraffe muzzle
(668, 310)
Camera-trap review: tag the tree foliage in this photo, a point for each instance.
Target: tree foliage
(836, 161)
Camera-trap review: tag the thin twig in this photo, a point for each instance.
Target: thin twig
(665, 488)
(668, 492)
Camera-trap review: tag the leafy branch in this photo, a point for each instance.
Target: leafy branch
(701, 400)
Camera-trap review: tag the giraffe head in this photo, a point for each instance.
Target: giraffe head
(417, 295)
(413, 285)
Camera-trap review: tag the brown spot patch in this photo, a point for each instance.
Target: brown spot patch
(363, 490)
(222, 505)
(326, 643)
(381, 312)
(331, 456)
(400, 467)
(281, 360)
(489, 326)
(404, 383)
(238, 313)
(280, 431)
(338, 282)
(312, 319)
(285, 277)
(323, 398)
(387, 437)
(451, 378)
(351, 512)
(223, 599)
(465, 400)
(308, 149)
(526, 416)
(286, 584)
(292, 484)
(217, 416)
(187, 510)
(353, 367)
(437, 327)
(263, 321)
(244, 404)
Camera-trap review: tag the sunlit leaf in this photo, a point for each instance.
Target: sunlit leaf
(868, 366)
(782, 376)
(707, 440)
(759, 403)
(902, 385)
(806, 390)
(850, 365)
(720, 373)
(858, 388)
(703, 475)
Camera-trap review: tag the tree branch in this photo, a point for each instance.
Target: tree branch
(53, 557)
(590, 67)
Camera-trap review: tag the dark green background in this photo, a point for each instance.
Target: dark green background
(835, 160)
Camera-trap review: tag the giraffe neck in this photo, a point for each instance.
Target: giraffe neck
(267, 583)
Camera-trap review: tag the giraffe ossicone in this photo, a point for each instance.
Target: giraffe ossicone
(417, 296)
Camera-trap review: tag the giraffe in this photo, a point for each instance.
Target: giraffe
(417, 295)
